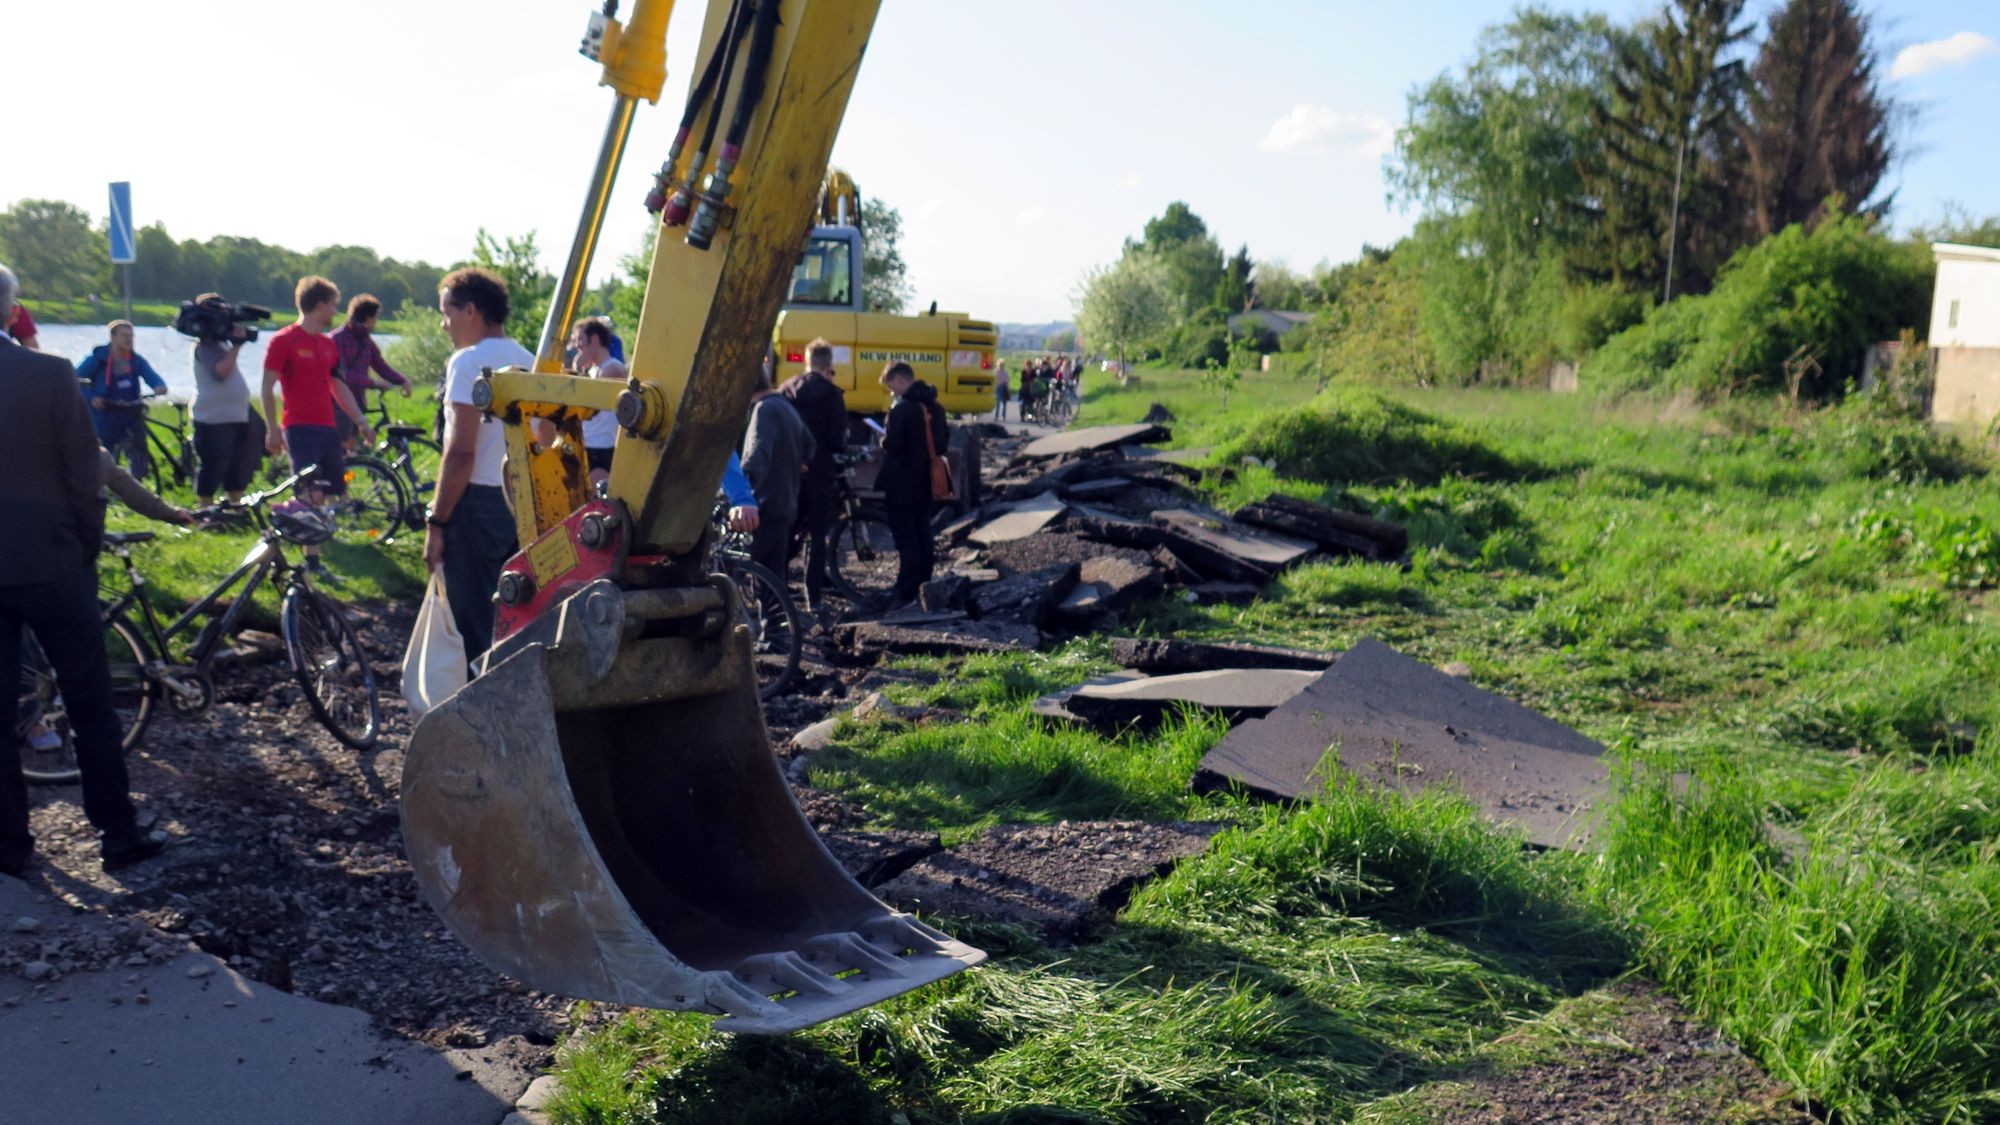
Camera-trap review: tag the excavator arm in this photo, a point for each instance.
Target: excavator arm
(599, 813)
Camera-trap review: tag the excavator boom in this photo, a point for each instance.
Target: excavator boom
(599, 813)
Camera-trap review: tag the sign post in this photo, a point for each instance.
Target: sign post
(124, 247)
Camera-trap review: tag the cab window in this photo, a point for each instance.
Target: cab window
(824, 275)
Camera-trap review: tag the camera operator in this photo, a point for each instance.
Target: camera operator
(225, 445)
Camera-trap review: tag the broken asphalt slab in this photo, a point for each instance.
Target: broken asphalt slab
(1063, 879)
(1092, 439)
(1234, 693)
(1160, 655)
(1019, 521)
(1250, 550)
(1397, 722)
(191, 1042)
(950, 638)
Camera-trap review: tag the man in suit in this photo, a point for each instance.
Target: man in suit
(52, 508)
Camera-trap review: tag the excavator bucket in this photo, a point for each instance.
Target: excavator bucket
(600, 815)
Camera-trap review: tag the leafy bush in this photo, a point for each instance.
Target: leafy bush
(1193, 345)
(1353, 436)
(1591, 314)
(1808, 300)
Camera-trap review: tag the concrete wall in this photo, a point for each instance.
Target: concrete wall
(1970, 278)
(1968, 385)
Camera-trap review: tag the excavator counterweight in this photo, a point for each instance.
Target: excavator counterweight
(599, 813)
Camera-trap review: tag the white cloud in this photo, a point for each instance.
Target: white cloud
(1032, 217)
(1317, 127)
(1130, 180)
(1922, 58)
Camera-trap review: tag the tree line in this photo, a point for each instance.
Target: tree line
(1577, 179)
(60, 253)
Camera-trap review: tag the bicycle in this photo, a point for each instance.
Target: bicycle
(161, 450)
(409, 449)
(863, 559)
(777, 633)
(321, 649)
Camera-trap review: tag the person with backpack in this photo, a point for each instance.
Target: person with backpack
(912, 478)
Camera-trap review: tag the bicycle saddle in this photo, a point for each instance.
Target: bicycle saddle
(121, 538)
(404, 432)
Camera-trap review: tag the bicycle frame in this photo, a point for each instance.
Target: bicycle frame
(258, 564)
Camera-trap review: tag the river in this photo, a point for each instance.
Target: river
(170, 353)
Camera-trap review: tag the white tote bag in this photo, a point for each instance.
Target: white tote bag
(434, 664)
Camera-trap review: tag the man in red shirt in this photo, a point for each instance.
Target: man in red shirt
(300, 360)
(23, 329)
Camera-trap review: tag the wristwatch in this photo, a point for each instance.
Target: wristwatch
(432, 519)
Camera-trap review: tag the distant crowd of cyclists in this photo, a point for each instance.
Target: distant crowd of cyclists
(1048, 392)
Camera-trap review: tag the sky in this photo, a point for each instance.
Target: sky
(1023, 142)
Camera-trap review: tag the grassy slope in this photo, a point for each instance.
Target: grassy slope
(1753, 597)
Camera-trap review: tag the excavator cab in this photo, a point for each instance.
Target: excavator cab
(598, 813)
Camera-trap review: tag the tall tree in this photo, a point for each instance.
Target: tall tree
(1234, 292)
(885, 283)
(1493, 156)
(1815, 122)
(529, 287)
(1123, 303)
(1655, 194)
(54, 250)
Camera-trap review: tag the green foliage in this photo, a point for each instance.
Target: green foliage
(885, 283)
(421, 347)
(53, 249)
(1493, 154)
(1201, 341)
(1591, 314)
(1822, 295)
(1348, 436)
(529, 287)
(1656, 192)
(1374, 331)
(1121, 304)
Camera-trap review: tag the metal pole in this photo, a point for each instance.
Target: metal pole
(569, 290)
(128, 291)
(1674, 225)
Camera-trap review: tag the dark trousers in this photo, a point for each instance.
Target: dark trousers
(113, 427)
(771, 543)
(909, 519)
(225, 460)
(477, 545)
(64, 616)
(816, 511)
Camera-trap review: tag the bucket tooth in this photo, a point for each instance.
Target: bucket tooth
(644, 851)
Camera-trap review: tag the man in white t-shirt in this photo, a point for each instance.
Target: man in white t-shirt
(471, 532)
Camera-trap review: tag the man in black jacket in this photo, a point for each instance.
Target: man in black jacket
(823, 408)
(51, 505)
(776, 448)
(905, 479)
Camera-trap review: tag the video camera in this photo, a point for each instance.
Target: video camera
(216, 319)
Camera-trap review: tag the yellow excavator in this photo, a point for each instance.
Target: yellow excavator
(949, 350)
(598, 813)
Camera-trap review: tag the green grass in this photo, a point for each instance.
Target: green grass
(1792, 611)
(182, 565)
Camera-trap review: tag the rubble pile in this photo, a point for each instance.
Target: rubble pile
(1074, 530)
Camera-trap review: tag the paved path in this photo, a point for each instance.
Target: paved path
(189, 1041)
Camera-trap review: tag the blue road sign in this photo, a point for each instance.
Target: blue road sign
(123, 249)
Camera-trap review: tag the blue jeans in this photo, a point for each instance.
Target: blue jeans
(477, 545)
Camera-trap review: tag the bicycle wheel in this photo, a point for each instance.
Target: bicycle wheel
(776, 631)
(328, 661)
(374, 505)
(132, 696)
(864, 555)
